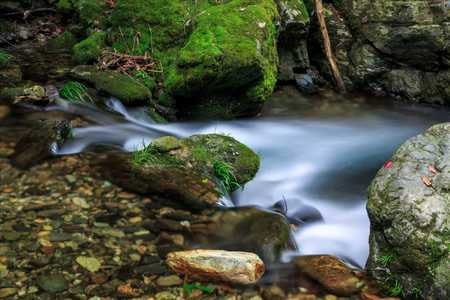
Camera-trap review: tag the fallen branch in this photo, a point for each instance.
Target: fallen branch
(327, 47)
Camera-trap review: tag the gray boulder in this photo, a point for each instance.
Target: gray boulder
(409, 209)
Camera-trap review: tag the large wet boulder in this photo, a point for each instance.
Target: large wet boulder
(228, 64)
(251, 229)
(401, 41)
(197, 170)
(113, 83)
(409, 209)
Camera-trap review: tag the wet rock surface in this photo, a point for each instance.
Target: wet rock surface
(405, 47)
(409, 212)
(332, 273)
(40, 142)
(246, 228)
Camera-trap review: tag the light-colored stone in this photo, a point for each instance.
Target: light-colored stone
(217, 265)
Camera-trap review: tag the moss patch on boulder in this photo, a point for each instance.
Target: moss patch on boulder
(121, 86)
(230, 51)
(88, 50)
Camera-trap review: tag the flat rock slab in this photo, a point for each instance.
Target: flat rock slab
(217, 265)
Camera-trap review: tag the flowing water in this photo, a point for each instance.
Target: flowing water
(319, 155)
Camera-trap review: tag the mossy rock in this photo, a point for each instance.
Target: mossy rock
(183, 169)
(90, 12)
(88, 50)
(409, 210)
(232, 50)
(140, 25)
(121, 86)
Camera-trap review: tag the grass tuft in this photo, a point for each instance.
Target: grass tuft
(225, 173)
(396, 289)
(150, 154)
(75, 92)
(386, 260)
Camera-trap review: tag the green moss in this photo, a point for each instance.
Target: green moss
(155, 116)
(64, 6)
(121, 86)
(5, 58)
(152, 155)
(90, 12)
(64, 41)
(144, 78)
(90, 49)
(211, 148)
(232, 47)
(160, 23)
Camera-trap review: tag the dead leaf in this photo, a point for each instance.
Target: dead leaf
(433, 170)
(427, 181)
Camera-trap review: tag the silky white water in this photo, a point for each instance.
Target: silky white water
(320, 164)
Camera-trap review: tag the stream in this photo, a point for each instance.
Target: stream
(319, 155)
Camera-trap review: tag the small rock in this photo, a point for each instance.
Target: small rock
(3, 271)
(55, 283)
(331, 272)
(151, 269)
(89, 263)
(171, 280)
(217, 265)
(7, 292)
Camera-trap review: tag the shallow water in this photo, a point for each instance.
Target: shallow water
(319, 154)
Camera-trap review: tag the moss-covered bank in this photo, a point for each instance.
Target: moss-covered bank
(219, 58)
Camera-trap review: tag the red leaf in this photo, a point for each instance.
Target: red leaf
(388, 164)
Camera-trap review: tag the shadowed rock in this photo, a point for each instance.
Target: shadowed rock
(246, 229)
(40, 143)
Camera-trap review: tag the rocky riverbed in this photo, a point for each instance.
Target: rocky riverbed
(66, 232)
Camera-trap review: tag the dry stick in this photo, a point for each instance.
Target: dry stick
(328, 51)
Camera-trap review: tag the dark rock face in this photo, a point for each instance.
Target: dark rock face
(409, 209)
(292, 40)
(400, 47)
(40, 143)
(184, 170)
